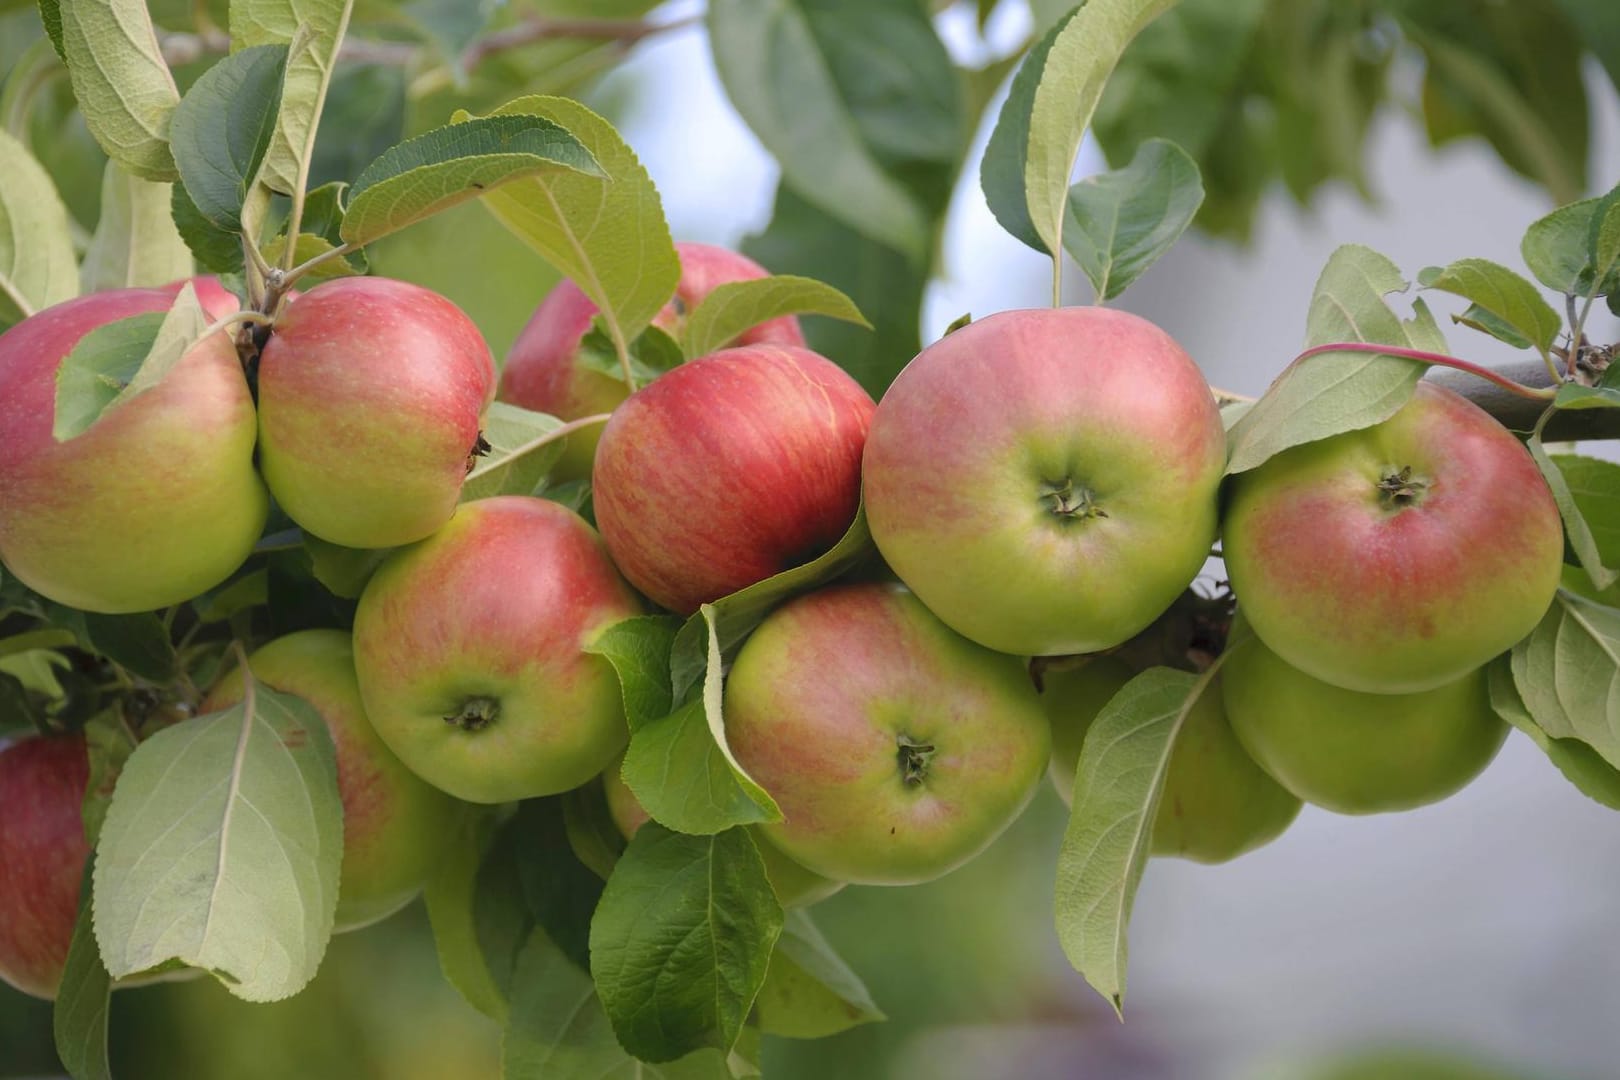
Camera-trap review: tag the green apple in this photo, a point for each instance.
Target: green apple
(469, 648)
(896, 748)
(795, 886)
(396, 827)
(1353, 752)
(1217, 803)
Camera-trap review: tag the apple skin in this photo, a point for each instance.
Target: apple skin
(543, 372)
(395, 825)
(824, 706)
(1353, 752)
(1391, 593)
(42, 856)
(728, 470)
(468, 647)
(795, 886)
(371, 394)
(1045, 481)
(156, 502)
(1217, 803)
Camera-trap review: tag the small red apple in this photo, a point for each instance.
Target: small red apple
(371, 394)
(543, 371)
(42, 855)
(728, 470)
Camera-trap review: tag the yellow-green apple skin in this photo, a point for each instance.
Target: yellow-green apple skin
(1217, 803)
(157, 501)
(795, 886)
(543, 370)
(470, 652)
(1045, 481)
(1352, 752)
(1400, 557)
(371, 398)
(396, 826)
(896, 749)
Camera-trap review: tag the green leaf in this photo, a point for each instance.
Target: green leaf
(1121, 222)
(809, 992)
(83, 1000)
(1598, 478)
(1604, 394)
(521, 452)
(462, 913)
(37, 264)
(50, 14)
(1120, 778)
(1502, 293)
(453, 164)
(1580, 764)
(1560, 249)
(216, 250)
(221, 848)
(1567, 673)
(320, 232)
(1478, 318)
(740, 305)
(344, 571)
(122, 85)
(611, 239)
(118, 360)
(594, 838)
(250, 590)
(1001, 172)
(787, 67)
(137, 643)
(222, 130)
(682, 939)
(309, 73)
(651, 354)
(135, 242)
(108, 742)
(638, 648)
(1337, 392)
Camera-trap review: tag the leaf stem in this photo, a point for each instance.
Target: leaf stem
(1439, 359)
(292, 274)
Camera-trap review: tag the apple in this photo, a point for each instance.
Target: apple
(154, 503)
(1399, 557)
(371, 393)
(795, 886)
(1217, 803)
(543, 370)
(396, 827)
(1354, 752)
(218, 301)
(42, 855)
(1045, 481)
(729, 470)
(469, 647)
(896, 748)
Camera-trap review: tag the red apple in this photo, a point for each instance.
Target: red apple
(543, 371)
(1045, 480)
(728, 470)
(371, 393)
(42, 856)
(395, 825)
(1400, 557)
(153, 504)
(469, 649)
(896, 749)
(218, 301)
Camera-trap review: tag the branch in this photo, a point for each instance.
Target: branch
(1520, 413)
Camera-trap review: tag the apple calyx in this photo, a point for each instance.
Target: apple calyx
(913, 757)
(475, 714)
(1065, 500)
(480, 447)
(1399, 488)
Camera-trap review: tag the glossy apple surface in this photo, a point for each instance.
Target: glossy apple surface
(42, 857)
(1045, 480)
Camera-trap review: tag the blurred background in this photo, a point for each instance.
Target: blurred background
(1473, 939)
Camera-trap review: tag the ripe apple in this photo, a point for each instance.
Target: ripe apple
(1400, 557)
(1045, 480)
(728, 470)
(395, 826)
(896, 749)
(153, 504)
(42, 856)
(371, 393)
(469, 650)
(543, 371)
(1217, 803)
(1353, 752)
(795, 886)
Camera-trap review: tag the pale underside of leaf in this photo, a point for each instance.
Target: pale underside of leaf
(37, 264)
(309, 73)
(124, 89)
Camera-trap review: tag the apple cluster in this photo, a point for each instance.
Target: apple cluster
(1038, 484)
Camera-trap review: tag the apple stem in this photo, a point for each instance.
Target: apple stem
(914, 757)
(1439, 359)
